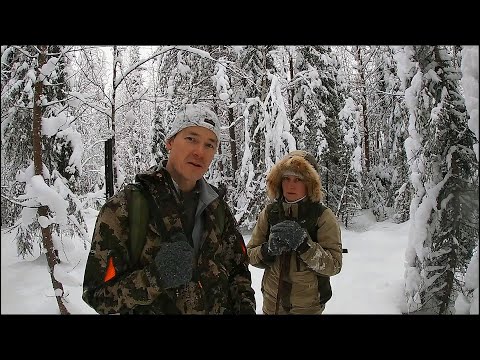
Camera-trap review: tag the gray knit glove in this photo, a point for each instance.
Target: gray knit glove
(174, 262)
(276, 246)
(290, 233)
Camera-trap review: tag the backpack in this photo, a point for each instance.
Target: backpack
(312, 211)
(139, 205)
(138, 216)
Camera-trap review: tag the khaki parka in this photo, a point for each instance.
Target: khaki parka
(323, 255)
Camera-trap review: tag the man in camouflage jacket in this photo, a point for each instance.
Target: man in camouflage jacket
(194, 261)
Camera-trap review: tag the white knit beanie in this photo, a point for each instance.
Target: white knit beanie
(195, 115)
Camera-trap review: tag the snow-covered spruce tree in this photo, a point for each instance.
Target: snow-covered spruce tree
(61, 145)
(278, 139)
(161, 94)
(363, 92)
(443, 166)
(256, 63)
(359, 93)
(369, 92)
(467, 300)
(158, 150)
(44, 206)
(387, 117)
(223, 174)
(351, 162)
(17, 68)
(315, 108)
(395, 127)
(218, 91)
(470, 85)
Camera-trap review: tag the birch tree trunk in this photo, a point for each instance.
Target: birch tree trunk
(52, 259)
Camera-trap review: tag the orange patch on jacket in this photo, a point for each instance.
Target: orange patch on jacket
(244, 248)
(110, 273)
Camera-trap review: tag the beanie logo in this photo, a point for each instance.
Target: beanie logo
(208, 121)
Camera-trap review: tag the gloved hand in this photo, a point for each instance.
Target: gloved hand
(174, 262)
(275, 245)
(290, 233)
(264, 251)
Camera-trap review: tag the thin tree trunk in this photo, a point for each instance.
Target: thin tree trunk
(114, 109)
(108, 168)
(233, 141)
(362, 86)
(291, 91)
(220, 162)
(52, 259)
(110, 164)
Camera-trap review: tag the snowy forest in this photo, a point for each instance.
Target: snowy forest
(394, 129)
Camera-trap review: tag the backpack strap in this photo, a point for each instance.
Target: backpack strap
(141, 208)
(275, 214)
(324, 286)
(140, 203)
(138, 216)
(316, 209)
(220, 209)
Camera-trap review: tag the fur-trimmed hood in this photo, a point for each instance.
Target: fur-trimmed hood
(296, 162)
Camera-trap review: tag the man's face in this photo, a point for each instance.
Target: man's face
(191, 152)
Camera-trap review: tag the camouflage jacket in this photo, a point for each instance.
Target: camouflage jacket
(221, 283)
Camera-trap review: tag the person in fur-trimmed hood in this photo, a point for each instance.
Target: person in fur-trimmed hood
(296, 239)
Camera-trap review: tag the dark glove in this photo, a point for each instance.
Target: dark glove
(275, 245)
(174, 262)
(264, 251)
(289, 232)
